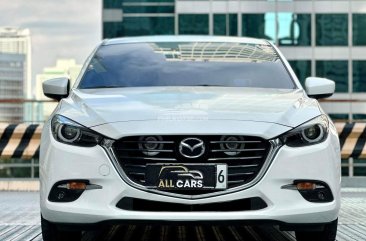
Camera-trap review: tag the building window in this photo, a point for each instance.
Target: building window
(117, 3)
(138, 17)
(339, 117)
(259, 25)
(294, 29)
(225, 24)
(359, 33)
(359, 76)
(332, 29)
(148, 9)
(193, 24)
(336, 70)
(134, 26)
(359, 170)
(345, 170)
(111, 4)
(302, 69)
(359, 117)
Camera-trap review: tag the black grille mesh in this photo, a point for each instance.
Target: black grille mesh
(244, 162)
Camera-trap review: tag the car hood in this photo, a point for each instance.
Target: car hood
(93, 107)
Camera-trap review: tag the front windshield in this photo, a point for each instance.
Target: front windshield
(186, 64)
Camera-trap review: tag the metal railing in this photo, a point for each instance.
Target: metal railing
(349, 166)
(19, 170)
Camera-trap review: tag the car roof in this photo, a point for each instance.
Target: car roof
(184, 38)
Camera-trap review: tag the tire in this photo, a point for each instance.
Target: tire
(50, 232)
(329, 233)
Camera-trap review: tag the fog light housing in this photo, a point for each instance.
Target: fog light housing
(314, 191)
(70, 190)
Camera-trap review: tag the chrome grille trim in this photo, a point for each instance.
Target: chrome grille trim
(220, 142)
(239, 150)
(145, 150)
(137, 173)
(149, 158)
(152, 142)
(234, 158)
(235, 181)
(135, 165)
(243, 166)
(240, 174)
(275, 145)
(130, 151)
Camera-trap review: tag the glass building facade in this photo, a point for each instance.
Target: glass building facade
(318, 37)
(135, 18)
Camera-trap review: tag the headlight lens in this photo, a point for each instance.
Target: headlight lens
(310, 133)
(69, 132)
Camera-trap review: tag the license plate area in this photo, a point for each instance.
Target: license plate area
(175, 176)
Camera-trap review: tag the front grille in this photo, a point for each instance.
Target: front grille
(244, 155)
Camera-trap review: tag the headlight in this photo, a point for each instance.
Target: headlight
(69, 132)
(309, 133)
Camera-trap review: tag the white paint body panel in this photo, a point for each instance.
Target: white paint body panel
(95, 107)
(60, 162)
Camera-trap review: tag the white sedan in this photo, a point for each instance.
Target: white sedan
(189, 129)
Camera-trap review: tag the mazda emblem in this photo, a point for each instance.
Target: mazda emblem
(192, 147)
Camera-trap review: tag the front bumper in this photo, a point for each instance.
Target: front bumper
(64, 162)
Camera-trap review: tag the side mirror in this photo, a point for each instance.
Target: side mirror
(319, 87)
(57, 88)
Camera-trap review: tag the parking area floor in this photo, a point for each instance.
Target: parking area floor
(19, 220)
